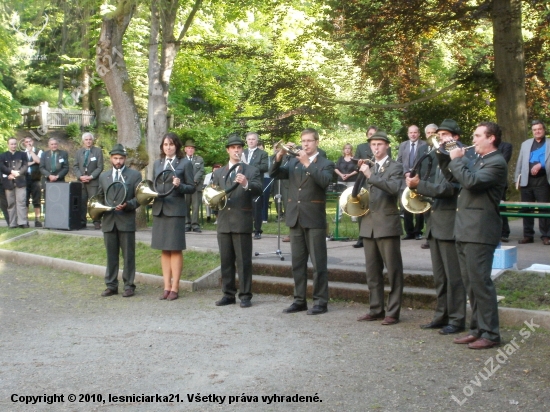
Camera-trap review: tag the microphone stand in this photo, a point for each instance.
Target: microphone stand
(277, 198)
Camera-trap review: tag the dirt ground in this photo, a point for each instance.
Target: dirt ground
(59, 336)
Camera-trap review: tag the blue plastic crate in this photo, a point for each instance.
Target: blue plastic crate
(505, 257)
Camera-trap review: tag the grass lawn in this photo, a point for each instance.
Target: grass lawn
(92, 250)
(525, 290)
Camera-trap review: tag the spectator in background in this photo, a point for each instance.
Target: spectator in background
(13, 165)
(4, 203)
(194, 200)
(88, 165)
(346, 169)
(34, 188)
(267, 186)
(258, 158)
(533, 177)
(505, 149)
(54, 164)
(409, 151)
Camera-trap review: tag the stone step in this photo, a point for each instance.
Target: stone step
(413, 297)
(343, 274)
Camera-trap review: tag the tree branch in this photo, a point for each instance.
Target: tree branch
(194, 10)
(394, 105)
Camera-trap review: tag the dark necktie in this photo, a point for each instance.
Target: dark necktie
(376, 168)
(168, 164)
(54, 162)
(86, 157)
(412, 155)
(117, 175)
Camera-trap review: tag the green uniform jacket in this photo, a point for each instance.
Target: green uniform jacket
(482, 184)
(382, 219)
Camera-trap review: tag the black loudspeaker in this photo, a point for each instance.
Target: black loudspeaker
(63, 205)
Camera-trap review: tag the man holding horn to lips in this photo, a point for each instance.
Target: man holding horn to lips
(235, 223)
(381, 231)
(309, 174)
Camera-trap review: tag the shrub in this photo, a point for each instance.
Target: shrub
(73, 131)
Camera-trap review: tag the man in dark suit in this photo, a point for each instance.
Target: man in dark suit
(363, 151)
(258, 158)
(533, 178)
(119, 225)
(54, 163)
(380, 230)
(505, 149)
(309, 175)
(235, 223)
(13, 165)
(194, 200)
(408, 153)
(33, 176)
(450, 311)
(88, 165)
(430, 130)
(478, 229)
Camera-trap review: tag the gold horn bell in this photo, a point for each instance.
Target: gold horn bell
(354, 206)
(414, 202)
(291, 150)
(214, 197)
(96, 207)
(145, 193)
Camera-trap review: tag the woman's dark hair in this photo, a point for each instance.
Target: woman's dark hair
(174, 139)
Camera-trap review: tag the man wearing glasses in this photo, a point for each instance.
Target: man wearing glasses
(309, 175)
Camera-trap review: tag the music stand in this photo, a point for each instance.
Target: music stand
(277, 198)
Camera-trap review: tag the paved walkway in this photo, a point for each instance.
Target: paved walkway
(342, 254)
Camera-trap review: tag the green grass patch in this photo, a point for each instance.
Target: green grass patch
(525, 290)
(92, 250)
(7, 233)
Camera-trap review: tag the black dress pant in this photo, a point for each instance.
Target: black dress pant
(537, 190)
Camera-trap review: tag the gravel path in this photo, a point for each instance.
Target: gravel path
(58, 336)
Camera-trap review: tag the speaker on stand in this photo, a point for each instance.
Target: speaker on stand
(63, 205)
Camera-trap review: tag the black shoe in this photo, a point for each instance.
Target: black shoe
(433, 325)
(246, 303)
(418, 237)
(225, 301)
(317, 310)
(295, 308)
(109, 292)
(526, 240)
(197, 230)
(407, 237)
(37, 223)
(258, 236)
(359, 243)
(24, 226)
(504, 239)
(425, 245)
(450, 329)
(188, 229)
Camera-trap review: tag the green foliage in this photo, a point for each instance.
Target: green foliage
(34, 94)
(9, 116)
(73, 131)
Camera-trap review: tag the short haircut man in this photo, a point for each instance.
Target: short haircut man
(88, 165)
(478, 229)
(309, 175)
(194, 200)
(13, 165)
(532, 175)
(119, 225)
(33, 177)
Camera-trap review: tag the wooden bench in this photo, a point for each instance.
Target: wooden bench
(524, 209)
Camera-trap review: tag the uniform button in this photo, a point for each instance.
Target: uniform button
(457, 209)
(299, 189)
(228, 208)
(298, 201)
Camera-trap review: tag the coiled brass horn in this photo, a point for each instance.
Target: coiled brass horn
(216, 198)
(96, 207)
(414, 202)
(291, 150)
(145, 193)
(354, 201)
(446, 147)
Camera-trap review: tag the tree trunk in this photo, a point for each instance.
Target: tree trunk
(510, 75)
(163, 19)
(64, 39)
(111, 67)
